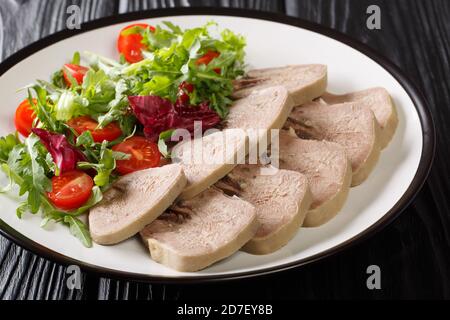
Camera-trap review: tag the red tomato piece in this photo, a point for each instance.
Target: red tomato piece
(183, 92)
(186, 86)
(70, 190)
(85, 123)
(144, 154)
(24, 117)
(207, 58)
(77, 72)
(131, 45)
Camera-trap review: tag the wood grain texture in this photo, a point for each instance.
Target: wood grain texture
(412, 252)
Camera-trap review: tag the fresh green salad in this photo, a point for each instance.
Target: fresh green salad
(96, 119)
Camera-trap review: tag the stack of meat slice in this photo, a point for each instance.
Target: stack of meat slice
(328, 143)
(261, 108)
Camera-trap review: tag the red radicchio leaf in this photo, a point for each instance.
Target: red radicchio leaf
(63, 153)
(157, 114)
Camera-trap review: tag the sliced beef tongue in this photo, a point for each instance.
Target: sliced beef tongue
(134, 201)
(304, 82)
(211, 227)
(281, 198)
(379, 101)
(207, 159)
(262, 110)
(327, 168)
(351, 125)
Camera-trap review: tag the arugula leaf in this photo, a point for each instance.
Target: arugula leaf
(8, 187)
(95, 198)
(43, 108)
(40, 181)
(107, 164)
(21, 209)
(162, 146)
(85, 139)
(104, 167)
(161, 38)
(79, 229)
(76, 58)
(128, 126)
(57, 80)
(133, 30)
(122, 59)
(117, 109)
(6, 146)
(99, 90)
(175, 29)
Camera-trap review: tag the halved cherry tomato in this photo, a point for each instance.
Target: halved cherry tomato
(77, 72)
(70, 190)
(24, 117)
(131, 45)
(144, 154)
(207, 58)
(85, 123)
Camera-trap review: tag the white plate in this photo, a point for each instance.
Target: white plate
(401, 171)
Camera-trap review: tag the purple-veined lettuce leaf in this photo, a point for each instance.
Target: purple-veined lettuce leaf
(65, 155)
(157, 115)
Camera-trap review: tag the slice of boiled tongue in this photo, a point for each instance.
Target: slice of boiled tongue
(378, 100)
(327, 168)
(157, 115)
(134, 201)
(351, 125)
(201, 231)
(281, 198)
(207, 159)
(304, 82)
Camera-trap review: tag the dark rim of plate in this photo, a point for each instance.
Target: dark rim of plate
(416, 96)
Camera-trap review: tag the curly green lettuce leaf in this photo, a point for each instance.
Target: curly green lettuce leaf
(7, 144)
(173, 60)
(70, 105)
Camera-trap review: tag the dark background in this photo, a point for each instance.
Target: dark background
(413, 252)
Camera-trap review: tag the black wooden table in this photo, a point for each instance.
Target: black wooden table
(413, 252)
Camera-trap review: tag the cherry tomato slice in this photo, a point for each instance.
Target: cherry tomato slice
(144, 154)
(70, 190)
(85, 123)
(24, 117)
(131, 45)
(207, 58)
(77, 72)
